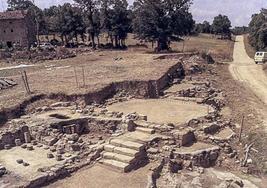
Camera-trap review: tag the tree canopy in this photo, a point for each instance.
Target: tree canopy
(162, 20)
(258, 31)
(222, 26)
(204, 27)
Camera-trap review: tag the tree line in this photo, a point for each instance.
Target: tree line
(258, 30)
(221, 25)
(157, 21)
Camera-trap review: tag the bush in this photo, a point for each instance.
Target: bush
(207, 57)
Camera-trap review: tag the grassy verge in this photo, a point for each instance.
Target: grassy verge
(249, 49)
(220, 50)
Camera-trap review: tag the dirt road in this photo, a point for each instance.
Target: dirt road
(251, 75)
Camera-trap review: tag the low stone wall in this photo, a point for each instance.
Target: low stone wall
(12, 138)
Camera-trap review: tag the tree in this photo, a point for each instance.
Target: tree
(162, 20)
(204, 27)
(221, 26)
(115, 20)
(19, 5)
(240, 30)
(89, 8)
(258, 31)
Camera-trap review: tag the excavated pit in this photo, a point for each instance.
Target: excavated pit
(163, 110)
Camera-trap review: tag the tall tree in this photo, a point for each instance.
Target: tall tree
(162, 20)
(258, 31)
(204, 27)
(89, 8)
(19, 5)
(221, 26)
(115, 20)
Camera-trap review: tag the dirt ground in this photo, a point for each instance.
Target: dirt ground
(251, 75)
(36, 158)
(99, 176)
(100, 69)
(163, 110)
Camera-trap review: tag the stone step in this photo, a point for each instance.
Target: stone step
(145, 130)
(123, 167)
(127, 144)
(118, 157)
(121, 150)
(140, 123)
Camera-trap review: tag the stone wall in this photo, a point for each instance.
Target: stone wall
(8, 138)
(19, 31)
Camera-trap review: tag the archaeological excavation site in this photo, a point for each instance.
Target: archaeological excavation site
(166, 126)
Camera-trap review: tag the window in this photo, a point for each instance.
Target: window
(12, 30)
(10, 22)
(4, 31)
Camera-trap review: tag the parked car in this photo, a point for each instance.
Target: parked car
(260, 57)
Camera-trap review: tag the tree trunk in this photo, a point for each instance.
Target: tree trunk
(66, 39)
(116, 41)
(98, 41)
(62, 39)
(162, 44)
(111, 40)
(92, 34)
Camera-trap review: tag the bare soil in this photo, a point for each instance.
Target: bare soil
(98, 176)
(251, 75)
(100, 69)
(162, 110)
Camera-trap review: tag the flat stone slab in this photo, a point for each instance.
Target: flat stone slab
(115, 164)
(162, 110)
(118, 157)
(127, 144)
(196, 149)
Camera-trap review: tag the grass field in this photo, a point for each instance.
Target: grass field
(249, 49)
(221, 50)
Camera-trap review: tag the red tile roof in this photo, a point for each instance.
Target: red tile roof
(9, 15)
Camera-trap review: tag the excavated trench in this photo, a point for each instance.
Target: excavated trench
(138, 88)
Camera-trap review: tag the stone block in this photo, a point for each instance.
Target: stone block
(59, 157)
(30, 148)
(185, 137)
(19, 161)
(50, 155)
(27, 137)
(18, 142)
(7, 146)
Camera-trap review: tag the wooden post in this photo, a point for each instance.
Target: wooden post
(24, 82)
(76, 78)
(241, 128)
(27, 82)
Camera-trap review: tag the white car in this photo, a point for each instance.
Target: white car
(260, 57)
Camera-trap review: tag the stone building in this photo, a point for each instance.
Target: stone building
(17, 28)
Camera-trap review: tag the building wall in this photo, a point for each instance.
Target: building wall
(18, 31)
